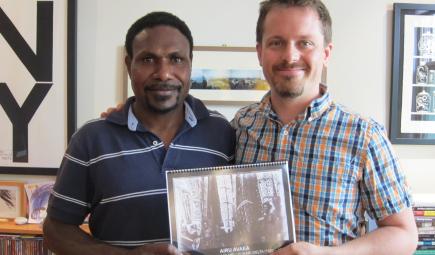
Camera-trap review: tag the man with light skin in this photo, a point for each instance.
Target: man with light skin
(341, 164)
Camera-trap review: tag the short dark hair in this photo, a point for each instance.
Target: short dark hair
(316, 5)
(154, 19)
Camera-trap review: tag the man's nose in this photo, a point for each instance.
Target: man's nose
(291, 53)
(162, 71)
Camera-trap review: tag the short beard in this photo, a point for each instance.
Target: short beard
(289, 94)
(159, 110)
(162, 85)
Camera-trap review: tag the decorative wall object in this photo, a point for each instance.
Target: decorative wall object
(37, 84)
(223, 73)
(12, 199)
(412, 118)
(37, 197)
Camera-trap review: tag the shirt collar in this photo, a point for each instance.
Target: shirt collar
(194, 110)
(316, 108)
(319, 105)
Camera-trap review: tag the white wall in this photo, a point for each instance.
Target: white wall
(358, 75)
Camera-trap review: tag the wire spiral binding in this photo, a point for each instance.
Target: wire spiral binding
(227, 167)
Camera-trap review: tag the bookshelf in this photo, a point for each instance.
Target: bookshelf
(424, 204)
(9, 227)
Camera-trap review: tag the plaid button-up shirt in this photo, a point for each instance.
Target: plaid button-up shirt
(341, 165)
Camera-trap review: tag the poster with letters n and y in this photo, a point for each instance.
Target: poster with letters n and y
(231, 210)
(37, 84)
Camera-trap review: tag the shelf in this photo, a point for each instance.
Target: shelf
(10, 227)
(426, 85)
(423, 113)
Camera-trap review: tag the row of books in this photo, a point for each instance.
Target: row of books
(23, 245)
(425, 221)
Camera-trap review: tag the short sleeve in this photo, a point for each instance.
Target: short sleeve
(384, 187)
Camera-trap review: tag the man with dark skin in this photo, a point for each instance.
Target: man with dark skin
(114, 168)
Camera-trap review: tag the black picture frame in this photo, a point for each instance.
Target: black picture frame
(412, 119)
(69, 83)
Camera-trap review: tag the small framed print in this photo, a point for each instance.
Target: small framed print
(12, 199)
(224, 74)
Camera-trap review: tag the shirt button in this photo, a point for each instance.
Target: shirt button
(155, 142)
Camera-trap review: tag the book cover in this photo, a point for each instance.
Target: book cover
(238, 209)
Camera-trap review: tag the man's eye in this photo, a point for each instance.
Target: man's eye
(147, 59)
(177, 59)
(275, 43)
(306, 44)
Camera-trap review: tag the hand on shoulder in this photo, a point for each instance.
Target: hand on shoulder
(112, 109)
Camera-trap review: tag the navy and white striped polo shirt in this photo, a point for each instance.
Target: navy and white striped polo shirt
(115, 169)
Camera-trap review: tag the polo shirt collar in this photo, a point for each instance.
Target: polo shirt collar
(316, 108)
(194, 110)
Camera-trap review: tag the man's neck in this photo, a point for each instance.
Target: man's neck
(165, 126)
(288, 108)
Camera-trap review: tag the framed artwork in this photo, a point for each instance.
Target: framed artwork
(412, 119)
(224, 73)
(37, 197)
(12, 199)
(37, 84)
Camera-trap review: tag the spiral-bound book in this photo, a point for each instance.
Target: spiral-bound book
(229, 210)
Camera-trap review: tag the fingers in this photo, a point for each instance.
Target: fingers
(109, 110)
(160, 249)
(119, 107)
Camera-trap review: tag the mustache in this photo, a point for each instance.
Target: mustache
(162, 86)
(289, 65)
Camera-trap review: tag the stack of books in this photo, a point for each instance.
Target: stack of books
(425, 220)
(23, 245)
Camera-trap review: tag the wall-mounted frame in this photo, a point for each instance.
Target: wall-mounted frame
(12, 199)
(224, 73)
(37, 200)
(37, 84)
(412, 119)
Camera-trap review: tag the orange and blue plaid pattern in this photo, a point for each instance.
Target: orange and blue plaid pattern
(341, 165)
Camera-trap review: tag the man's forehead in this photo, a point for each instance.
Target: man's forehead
(160, 31)
(161, 37)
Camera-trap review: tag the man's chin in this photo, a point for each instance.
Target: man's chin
(164, 106)
(287, 90)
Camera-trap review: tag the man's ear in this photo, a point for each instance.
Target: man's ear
(327, 54)
(259, 49)
(127, 61)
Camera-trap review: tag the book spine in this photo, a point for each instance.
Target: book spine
(430, 243)
(424, 208)
(424, 252)
(424, 213)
